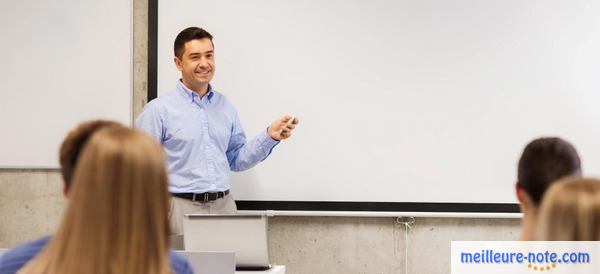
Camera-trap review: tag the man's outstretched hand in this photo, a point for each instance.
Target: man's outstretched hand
(282, 128)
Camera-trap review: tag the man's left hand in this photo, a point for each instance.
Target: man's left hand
(282, 128)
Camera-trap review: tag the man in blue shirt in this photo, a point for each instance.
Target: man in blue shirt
(15, 258)
(202, 135)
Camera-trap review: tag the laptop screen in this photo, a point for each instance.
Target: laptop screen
(246, 235)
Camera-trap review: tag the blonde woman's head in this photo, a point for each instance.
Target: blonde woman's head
(570, 211)
(116, 219)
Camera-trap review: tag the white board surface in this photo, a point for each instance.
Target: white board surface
(399, 101)
(62, 62)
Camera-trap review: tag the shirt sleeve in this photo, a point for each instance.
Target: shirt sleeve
(187, 269)
(244, 155)
(180, 264)
(150, 121)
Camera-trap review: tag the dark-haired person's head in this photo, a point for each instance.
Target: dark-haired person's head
(543, 162)
(74, 143)
(194, 57)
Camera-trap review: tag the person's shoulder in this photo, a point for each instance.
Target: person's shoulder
(17, 257)
(164, 99)
(222, 100)
(219, 96)
(29, 248)
(160, 105)
(179, 264)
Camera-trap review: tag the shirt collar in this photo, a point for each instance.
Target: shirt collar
(193, 96)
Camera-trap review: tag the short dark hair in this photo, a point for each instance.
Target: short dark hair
(544, 161)
(74, 143)
(189, 34)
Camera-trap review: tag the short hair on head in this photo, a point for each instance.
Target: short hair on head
(545, 160)
(74, 143)
(186, 35)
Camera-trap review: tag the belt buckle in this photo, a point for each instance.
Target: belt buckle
(204, 199)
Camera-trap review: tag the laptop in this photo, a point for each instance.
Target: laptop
(244, 234)
(206, 262)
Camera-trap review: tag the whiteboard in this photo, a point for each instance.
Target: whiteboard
(62, 62)
(420, 101)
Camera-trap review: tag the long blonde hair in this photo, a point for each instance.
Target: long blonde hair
(570, 211)
(116, 219)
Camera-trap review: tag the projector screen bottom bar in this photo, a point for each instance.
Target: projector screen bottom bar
(371, 214)
(382, 207)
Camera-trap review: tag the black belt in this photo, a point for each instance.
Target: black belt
(202, 197)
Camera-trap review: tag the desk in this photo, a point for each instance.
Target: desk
(276, 269)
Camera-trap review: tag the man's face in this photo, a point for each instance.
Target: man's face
(197, 64)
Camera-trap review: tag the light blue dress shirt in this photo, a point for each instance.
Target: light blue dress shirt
(202, 138)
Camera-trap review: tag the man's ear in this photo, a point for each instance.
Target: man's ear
(65, 191)
(177, 62)
(522, 195)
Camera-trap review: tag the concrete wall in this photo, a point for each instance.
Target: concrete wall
(31, 203)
